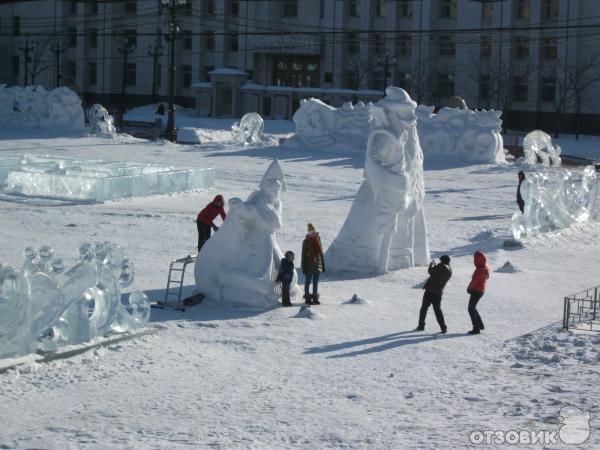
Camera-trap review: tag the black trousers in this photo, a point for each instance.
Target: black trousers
(285, 292)
(475, 317)
(435, 300)
(203, 234)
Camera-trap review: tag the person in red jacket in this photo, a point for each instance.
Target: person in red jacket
(476, 290)
(206, 217)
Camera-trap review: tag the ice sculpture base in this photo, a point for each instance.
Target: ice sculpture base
(96, 180)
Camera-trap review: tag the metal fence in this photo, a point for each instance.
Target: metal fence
(582, 309)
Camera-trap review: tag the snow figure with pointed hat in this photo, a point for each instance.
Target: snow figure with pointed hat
(239, 264)
(385, 229)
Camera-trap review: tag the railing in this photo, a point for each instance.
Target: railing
(582, 308)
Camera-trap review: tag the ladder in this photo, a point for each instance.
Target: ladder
(176, 277)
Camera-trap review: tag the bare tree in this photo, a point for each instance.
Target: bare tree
(583, 76)
(37, 63)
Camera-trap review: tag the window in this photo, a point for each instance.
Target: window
(234, 42)
(94, 8)
(130, 74)
(445, 85)
(15, 65)
(131, 7)
(551, 9)
(188, 8)
(550, 48)
(352, 79)
(353, 8)
(16, 25)
(521, 47)
(93, 38)
(235, 7)
(404, 45)
(72, 39)
(353, 43)
(210, 40)
(210, 7)
(447, 45)
(207, 70)
(186, 74)
(484, 87)
(72, 69)
(523, 9)
(187, 39)
(380, 8)
(130, 37)
(322, 9)
(448, 9)
(93, 73)
(520, 89)
(486, 46)
(405, 8)
(379, 44)
(72, 7)
(290, 8)
(487, 11)
(158, 75)
(548, 89)
(404, 80)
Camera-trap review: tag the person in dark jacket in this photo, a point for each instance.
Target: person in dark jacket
(313, 263)
(206, 217)
(520, 200)
(285, 276)
(439, 274)
(476, 290)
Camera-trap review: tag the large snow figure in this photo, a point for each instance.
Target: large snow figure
(385, 229)
(554, 204)
(239, 263)
(537, 143)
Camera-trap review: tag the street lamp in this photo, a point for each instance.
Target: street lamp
(156, 51)
(172, 5)
(125, 48)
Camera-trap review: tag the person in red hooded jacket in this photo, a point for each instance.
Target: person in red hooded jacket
(206, 217)
(476, 289)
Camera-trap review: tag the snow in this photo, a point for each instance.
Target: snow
(189, 135)
(232, 377)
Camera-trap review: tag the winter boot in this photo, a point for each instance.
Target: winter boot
(444, 330)
(474, 331)
(308, 299)
(420, 328)
(315, 299)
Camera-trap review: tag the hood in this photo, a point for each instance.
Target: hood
(479, 259)
(219, 199)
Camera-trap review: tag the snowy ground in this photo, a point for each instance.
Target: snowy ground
(354, 376)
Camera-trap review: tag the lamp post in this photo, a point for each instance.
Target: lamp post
(172, 5)
(156, 51)
(125, 49)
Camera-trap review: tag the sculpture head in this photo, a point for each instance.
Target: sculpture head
(396, 110)
(273, 173)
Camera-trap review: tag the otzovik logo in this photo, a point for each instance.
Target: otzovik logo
(574, 430)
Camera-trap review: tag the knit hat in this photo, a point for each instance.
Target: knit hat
(445, 259)
(311, 228)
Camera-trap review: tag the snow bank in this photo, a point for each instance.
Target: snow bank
(188, 135)
(34, 107)
(43, 306)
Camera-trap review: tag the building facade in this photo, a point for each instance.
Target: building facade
(535, 59)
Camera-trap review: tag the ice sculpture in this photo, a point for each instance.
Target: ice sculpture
(385, 229)
(554, 202)
(96, 180)
(249, 129)
(102, 123)
(539, 144)
(461, 134)
(239, 263)
(43, 306)
(34, 107)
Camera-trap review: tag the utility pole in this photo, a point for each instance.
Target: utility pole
(125, 49)
(26, 51)
(170, 133)
(156, 52)
(57, 49)
(386, 68)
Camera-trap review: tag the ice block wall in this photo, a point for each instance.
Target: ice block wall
(97, 180)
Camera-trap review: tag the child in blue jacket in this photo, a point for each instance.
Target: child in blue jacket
(286, 275)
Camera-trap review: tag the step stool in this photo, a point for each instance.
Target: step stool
(178, 266)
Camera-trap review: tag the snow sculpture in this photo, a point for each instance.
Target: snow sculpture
(43, 306)
(461, 134)
(539, 144)
(34, 107)
(249, 129)
(96, 180)
(552, 204)
(315, 123)
(102, 123)
(239, 264)
(385, 229)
